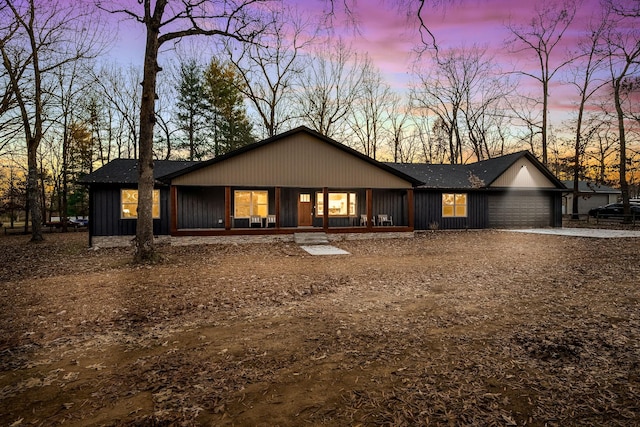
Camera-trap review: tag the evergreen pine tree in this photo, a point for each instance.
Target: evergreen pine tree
(230, 125)
(193, 108)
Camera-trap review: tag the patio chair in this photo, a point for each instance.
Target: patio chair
(271, 220)
(255, 220)
(384, 219)
(363, 220)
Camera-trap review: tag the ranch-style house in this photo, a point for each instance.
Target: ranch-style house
(301, 180)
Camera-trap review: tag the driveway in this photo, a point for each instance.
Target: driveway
(600, 233)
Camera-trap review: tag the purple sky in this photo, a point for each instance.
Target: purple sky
(389, 40)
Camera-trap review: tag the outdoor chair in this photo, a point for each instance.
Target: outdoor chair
(255, 220)
(363, 220)
(384, 219)
(271, 220)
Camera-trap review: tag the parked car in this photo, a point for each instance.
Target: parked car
(78, 222)
(614, 210)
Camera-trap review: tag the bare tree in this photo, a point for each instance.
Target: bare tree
(71, 85)
(462, 89)
(524, 115)
(9, 123)
(121, 88)
(440, 92)
(165, 111)
(541, 37)
(401, 141)
(587, 82)
(623, 50)
(44, 37)
(270, 68)
(370, 111)
(329, 88)
(165, 22)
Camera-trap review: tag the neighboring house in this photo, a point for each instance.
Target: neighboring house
(590, 195)
(302, 180)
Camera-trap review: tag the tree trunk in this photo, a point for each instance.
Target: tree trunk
(576, 164)
(545, 105)
(144, 246)
(624, 186)
(33, 194)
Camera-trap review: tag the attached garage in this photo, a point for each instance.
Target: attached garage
(523, 209)
(511, 191)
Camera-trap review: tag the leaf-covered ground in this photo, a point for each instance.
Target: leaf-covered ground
(450, 328)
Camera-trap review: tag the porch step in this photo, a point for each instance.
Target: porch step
(310, 239)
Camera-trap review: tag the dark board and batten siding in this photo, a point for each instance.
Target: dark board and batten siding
(200, 207)
(428, 211)
(390, 202)
(105, 213)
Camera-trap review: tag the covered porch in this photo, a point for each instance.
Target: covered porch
(242, 210)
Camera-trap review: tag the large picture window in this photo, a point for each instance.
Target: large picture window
(454, 205)
(340, 204)
(248, 203)
(129, 204)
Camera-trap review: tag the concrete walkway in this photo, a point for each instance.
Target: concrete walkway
(317, 244)
(600, 233)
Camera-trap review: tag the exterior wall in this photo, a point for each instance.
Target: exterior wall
(428, 211)
(200, 207)
(586, 202)
(105, 213)
(203, 207)
(300, 160)
(390, 202)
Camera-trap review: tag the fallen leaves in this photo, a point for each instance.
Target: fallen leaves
(450, 328)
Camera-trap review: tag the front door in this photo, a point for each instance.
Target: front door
(304, 210)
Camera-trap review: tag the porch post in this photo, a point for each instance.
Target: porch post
(227, 208)
(173, 222)
(369, 208)
(410, 208)
(277, 207)
(325, 213)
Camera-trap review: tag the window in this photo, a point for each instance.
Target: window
(340, 204)
(129, 204)
(247, 203)
(454, 205)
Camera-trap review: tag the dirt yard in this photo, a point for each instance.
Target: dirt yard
(450, 328)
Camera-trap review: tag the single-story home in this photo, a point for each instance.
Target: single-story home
(302, 180)
(590, 195)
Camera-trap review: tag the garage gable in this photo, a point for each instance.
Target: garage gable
(523, 174)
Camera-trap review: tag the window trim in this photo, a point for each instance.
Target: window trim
(454, 206)
(155, 207)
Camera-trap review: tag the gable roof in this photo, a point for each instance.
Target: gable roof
(282, 148)
(125, 171)
(474, 175)
(592, 187)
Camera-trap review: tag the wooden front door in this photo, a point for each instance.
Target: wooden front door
(304, 210)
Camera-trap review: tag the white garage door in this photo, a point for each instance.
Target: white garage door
(520, 210)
